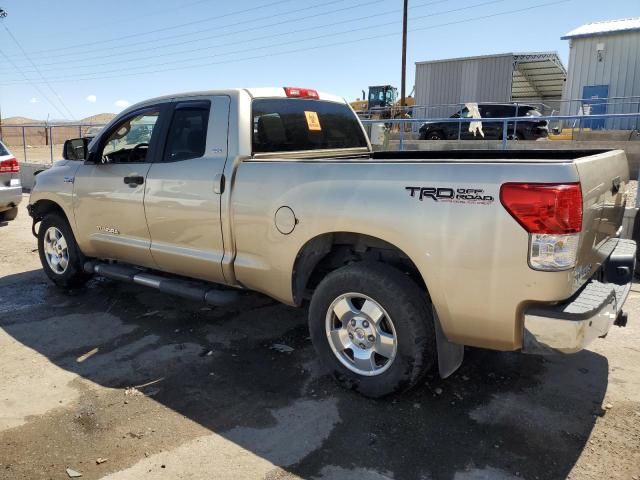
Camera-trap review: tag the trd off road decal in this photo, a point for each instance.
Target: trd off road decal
(451, 195)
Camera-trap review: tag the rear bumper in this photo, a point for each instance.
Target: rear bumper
(10, 197)
(571, 326)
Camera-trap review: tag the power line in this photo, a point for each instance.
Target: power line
(120, 61)
(164, 29)
(64, 105)
(306, 49)
(92, 52)
(33, 84)
(136, 20)
(317, 37)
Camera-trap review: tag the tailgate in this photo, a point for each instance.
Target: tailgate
(603, 178)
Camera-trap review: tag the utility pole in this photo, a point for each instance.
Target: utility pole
(3, 14)
(403, 80)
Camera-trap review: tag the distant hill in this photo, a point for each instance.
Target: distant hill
(21, 121)
(99, 119)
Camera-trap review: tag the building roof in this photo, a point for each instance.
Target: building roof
(539, 74)
(605, 28)
(535, 74)
(461, 59)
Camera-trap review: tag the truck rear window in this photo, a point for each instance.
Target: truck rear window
(291, 124)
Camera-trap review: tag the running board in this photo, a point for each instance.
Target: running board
(174, 286)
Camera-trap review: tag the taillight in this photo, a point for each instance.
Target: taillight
(10, 165)
(301, 92)
(552, 214)
(544, 207)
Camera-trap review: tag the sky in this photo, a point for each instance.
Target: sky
(70, 59)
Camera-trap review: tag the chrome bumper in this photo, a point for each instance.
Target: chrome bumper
(570, 326)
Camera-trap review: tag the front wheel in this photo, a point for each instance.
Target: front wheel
(372, 327)
(515, 136)
(59, 254)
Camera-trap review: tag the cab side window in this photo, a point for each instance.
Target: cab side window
(130, 140)
(187, 136)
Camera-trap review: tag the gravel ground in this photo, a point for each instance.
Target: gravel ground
(116, 381)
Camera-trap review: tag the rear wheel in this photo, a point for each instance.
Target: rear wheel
(435, 135)
(372, 327)
(59, 254)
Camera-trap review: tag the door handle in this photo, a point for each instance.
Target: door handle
(134, 180)
(219, 184)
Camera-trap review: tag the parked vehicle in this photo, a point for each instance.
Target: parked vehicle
(92, 132)
(10, 187)
(405, 257)
(529, 129)
(383, 103)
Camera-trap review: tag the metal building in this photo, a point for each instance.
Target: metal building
(508, 77)
(604, 62)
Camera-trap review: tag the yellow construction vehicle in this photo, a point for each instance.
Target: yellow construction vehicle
(382, 103)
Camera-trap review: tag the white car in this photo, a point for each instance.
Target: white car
(10, 187)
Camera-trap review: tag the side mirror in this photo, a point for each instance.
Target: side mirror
(75, 149)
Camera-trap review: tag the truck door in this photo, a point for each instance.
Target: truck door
(109, 189)
(492, 130)
(182, 199)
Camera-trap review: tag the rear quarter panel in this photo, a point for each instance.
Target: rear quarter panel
(473, 257)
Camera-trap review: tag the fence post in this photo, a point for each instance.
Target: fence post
(51, 144)
(79, 131)
(24, 145)
(401, 134)
(504, 134)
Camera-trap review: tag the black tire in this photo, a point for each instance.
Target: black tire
(518, 136)
(9, 215)
(74, 274)
(435, 135)
(408, 307)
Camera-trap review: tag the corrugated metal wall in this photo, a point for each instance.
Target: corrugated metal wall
(481, 79)
(619, 69)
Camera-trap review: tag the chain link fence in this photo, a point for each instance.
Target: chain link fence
(42, 143)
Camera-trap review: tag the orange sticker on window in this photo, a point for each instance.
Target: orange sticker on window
(313, 122)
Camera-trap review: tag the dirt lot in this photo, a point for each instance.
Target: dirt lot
(213, 399)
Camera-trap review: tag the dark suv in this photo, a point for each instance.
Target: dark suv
(529, 129)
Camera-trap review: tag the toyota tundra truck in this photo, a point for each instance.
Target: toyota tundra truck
(402, 258)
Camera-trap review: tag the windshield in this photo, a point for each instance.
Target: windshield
(464, 113)
(292, 124)
(3, 150)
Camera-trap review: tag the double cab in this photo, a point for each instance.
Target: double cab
(402, 258)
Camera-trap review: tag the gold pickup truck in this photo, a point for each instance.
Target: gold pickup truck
(403, 258)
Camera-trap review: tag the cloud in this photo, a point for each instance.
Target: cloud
(91, 98)
(33, 100)
(122, 103)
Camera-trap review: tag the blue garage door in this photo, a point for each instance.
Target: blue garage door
(594, 103)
